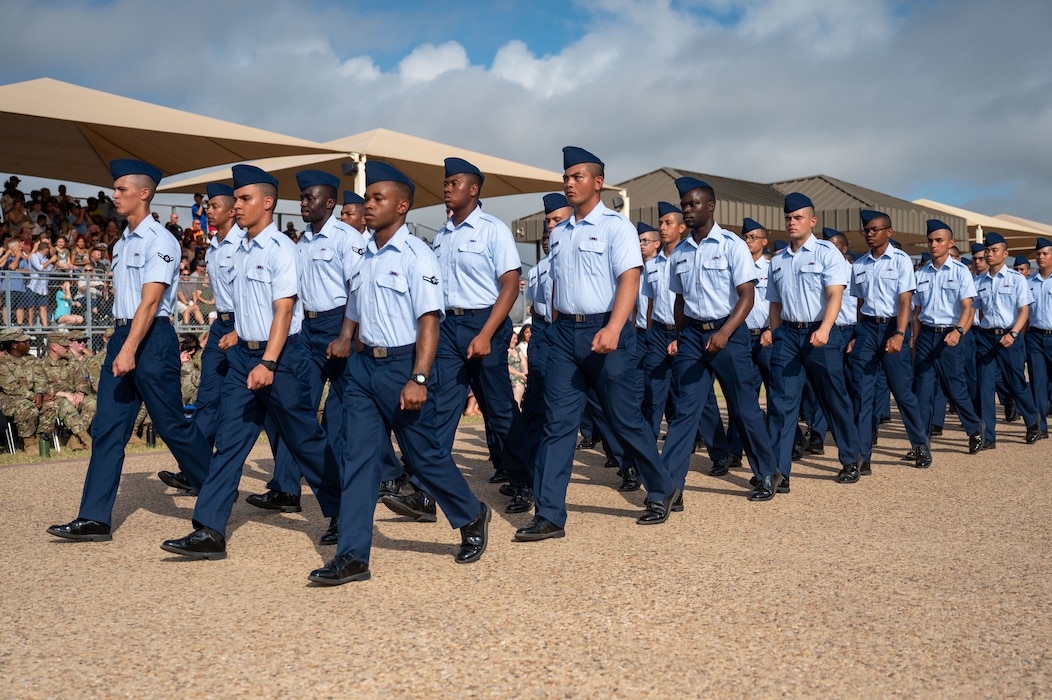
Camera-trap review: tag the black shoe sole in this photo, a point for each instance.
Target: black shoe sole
(328, 542)
(172, 483)
(80, 538)
(405, 511)
(325, 581)
(515, 508)
(630, 486)
(520, 537)
(193, 555)
(267, 506)
(485, 542)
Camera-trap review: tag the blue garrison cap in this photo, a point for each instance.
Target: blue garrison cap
(977, 248)
(751, 225)
(310, 178)
(251, 175)
(925, 257)
(795, 201)
(129, 166)
(936, 225)
(218, 189)
(686, 184)
(667, 208)
(1042, 243)
(966, 259)
(780, 245)
(573, 155)
(379, 171)
(455, 166)
(868, 215)
(642, 228)
(993, 238)
(554, 201)
(1020, 260)
(828, 233)
(894, 244)
(352, 198)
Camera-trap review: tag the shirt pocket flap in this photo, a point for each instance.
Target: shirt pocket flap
(393, 281)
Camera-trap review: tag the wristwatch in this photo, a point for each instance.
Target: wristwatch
(902, 333)
(960, 329)
(1014, 334)
(420, 379)
(269, 364)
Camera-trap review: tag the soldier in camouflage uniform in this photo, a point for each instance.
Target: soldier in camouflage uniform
(87, 365)
(65, 388)
(22, 393)
(190, 378)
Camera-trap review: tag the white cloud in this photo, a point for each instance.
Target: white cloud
(428, 61)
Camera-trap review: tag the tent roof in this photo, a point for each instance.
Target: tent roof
(420, 159)
(55, 129)
(977, 219)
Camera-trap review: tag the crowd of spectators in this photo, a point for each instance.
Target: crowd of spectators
(55, 259)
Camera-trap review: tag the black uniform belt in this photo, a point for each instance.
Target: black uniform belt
(757, 332)
(467, 312)
(996, 331)
(938, 329)
(253, 344)
(713, 325)
(845, 326)
(802, 325)
(324, 314)
(225, 317)
(1039, 331)
(588, 318)
(118, 322)
(877, 319)
(380, 353)
(664, 326)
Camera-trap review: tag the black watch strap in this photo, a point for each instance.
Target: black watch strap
(269, 364)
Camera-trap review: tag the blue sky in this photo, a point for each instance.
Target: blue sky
(945, 100)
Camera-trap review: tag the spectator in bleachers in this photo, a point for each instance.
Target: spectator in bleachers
(17, 265)
(17, 215)
(11, 194)
(99, 260)
(173, 226)
(65, 305)
(63, 255)
(78, 217)
(41, 262)
(186, 296)
(80, 252)
(197, 211)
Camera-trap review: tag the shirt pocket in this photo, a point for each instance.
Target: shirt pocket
(323, 254)
(811, 278)
(259, 274)
(474, 246)
(393, 283)
(593, 256)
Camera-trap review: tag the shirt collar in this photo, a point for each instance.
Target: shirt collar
(325, 230)
(399, 241)
(263, 237)
(593, 216)
(472, 220)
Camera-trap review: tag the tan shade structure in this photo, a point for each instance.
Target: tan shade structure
(420, 159)
(58, 130)
(1020, 237)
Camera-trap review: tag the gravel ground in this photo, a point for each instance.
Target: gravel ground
(930, 583)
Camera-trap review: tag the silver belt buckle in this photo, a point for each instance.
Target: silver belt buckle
(379, 353)
(578, 318)
(252, 344)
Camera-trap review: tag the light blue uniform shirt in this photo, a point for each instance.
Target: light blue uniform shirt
(393, 287)
(1041, 308)
(760, 315)
(148, 254)
(220, 259)
(799, 280)
(644, 299)
(328, 259)
(539, 288)
(848, 315)
(472, 258)
(656, 272)
(879, 281)
(940, 291)
(266, 268)
(587, 258)
(37, 280)
(707, 273)
(1000, 297)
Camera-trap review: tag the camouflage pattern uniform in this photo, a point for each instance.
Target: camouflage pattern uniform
(61, 375)
(19, 385)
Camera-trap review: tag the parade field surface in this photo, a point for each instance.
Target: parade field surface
(914, 582)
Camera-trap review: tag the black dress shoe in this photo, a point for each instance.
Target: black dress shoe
(923, 455)
(657, 512)
(816, 446)
(586, 443)
(909, 456)
(82, 530)
(177, 480)
(782, 487)
(332, 534)
(629, 479)
(767, 487)
(1011, 412)
(798, 451)
(677, 505)
(611, 463)
(506, 490)
(392, 487)
(719, 468)
(343, 569)
(521, 502)
(473, 538)
(876, 437)
(849, 474)
(202, 543)
(989, 445)
(539, 529)
(865, 469)
(1033, 434)
(734, 461)
(275, 500)
(418, 505)
(884, 419)
(499, 476)
(936, 431)
(976, 442)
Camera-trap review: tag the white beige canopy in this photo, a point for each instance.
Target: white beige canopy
(57, 130)
(421, 160)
